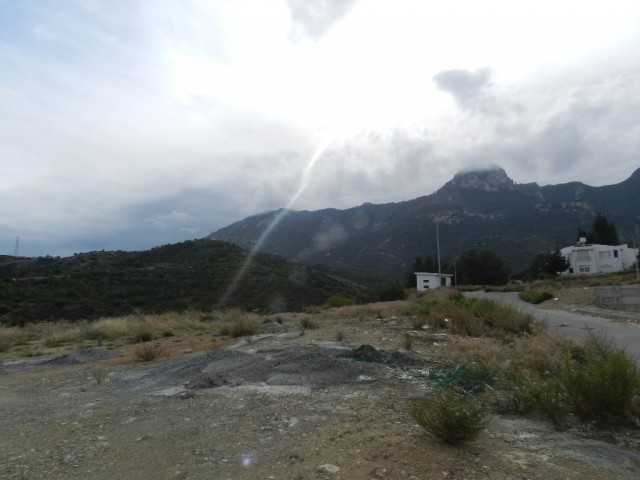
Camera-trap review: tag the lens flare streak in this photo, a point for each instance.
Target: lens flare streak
(304, 182)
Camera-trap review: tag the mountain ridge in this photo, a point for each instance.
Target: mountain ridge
(483, 209)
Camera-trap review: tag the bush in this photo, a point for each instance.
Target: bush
(536, 296)
(473, 317)
(338, 301)
(145, 352)
(390, 292)
(598, 382)
(550, 399)
(240, 328)
(451, 418)
(309, 324)
(142, 332)
(603, 385)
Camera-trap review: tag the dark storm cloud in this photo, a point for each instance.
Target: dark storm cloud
(314, 18)
(471, 90)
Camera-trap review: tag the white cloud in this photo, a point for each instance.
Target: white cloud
(195, 114)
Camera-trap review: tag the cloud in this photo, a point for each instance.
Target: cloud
(314, 18)
(472, 91)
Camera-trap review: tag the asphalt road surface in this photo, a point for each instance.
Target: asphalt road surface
(570, 325)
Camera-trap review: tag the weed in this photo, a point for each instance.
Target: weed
(340, 336)
(62, 338)
(451, 418)
(110, 328)
(97, 374)
(145, 352)
(309, 324)
(453, 295)
(483, 350)
(603, 387)
(538, 354)
(549, 397)
(418, 321)
(407, 342)
(142, 332)
(536, 296)
(8, 338)
(242, 328)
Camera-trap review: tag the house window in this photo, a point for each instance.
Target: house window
(604, 255)
(584, 268)
(583, 256)
(615, 253)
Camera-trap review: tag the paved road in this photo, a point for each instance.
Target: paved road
(574, 325)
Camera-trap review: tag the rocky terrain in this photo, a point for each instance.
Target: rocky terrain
(281, 405)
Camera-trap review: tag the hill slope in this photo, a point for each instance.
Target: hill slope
(482, 209)
(188, 275)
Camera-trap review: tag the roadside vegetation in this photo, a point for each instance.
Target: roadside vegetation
(488, 359)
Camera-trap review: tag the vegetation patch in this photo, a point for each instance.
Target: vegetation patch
(450, 417)
(536, 296)
(338, 301)
(475, 317)
(146, 352)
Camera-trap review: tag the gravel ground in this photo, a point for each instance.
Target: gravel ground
(281, 406)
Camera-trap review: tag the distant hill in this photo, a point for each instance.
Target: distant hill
(188, 275)
(479, 209)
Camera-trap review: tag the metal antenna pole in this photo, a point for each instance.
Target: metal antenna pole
(16, 250)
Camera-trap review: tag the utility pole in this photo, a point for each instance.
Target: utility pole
(437, 220)
(438, 248)
(635, 246)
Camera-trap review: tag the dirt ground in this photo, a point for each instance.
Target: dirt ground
(280, 406)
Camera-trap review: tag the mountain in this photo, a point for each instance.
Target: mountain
(475, 209)
(188, 275)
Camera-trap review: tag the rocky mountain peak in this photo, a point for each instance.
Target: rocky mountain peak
(492, 179)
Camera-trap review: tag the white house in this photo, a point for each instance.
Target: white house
(585, 258)
(425, 280)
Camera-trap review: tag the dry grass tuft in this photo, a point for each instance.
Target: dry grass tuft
(484, 350)
(146, 352)
(309, 324)
(111, 328)
(541, 353)
(9, 337)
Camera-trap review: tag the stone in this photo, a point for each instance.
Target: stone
(328, 468)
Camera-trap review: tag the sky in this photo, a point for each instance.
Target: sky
(127, 124)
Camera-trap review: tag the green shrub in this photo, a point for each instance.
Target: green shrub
(474, 317)
(536, 296)
(339, 301)
(390, 292)
(603, 385)
(451, 418)
(550, 399)
(598, 382)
